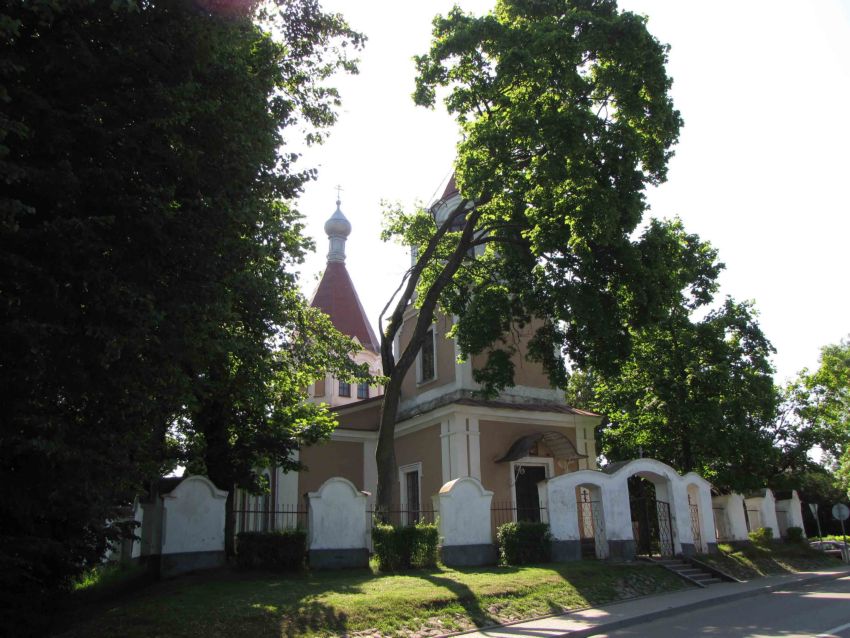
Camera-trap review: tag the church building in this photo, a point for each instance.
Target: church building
(445, 430)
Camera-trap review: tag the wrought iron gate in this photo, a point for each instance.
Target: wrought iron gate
(592, 529)
(652, 526)
(695, 527)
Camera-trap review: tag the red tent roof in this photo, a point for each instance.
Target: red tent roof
(338, 299)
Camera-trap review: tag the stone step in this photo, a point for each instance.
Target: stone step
(688, 571)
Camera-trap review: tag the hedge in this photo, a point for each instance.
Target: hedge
(285, 550)
(524, 542)
(399, 548)
(761, 536)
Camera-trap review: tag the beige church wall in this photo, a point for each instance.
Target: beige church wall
(422, 446)
(496, 439)
(526, 373)
(360, 418)
(445, 358)
(329, 459)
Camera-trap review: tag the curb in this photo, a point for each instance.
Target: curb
(709, 602)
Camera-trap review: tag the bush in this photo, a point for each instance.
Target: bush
(285, 550)
(399, 548)
(794, 535)
(761, 536)
(524, 542)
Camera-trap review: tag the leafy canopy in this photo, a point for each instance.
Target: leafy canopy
(697, 394)
(565, 118)
(147, 253)
(816, 414)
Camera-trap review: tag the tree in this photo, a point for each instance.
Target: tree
(565, 118)
(815, 414)
(145, 249)
(697, 395)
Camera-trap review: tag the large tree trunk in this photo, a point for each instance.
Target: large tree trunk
(385, 452)
(210, 419)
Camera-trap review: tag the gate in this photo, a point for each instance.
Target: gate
(695, 527)
(591, 528)
(652, 527)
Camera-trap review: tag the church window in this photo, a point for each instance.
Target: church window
(427, 363)
(410, 477)
(344, 389)
(362, 390)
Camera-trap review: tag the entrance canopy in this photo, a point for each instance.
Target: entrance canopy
(558, 444)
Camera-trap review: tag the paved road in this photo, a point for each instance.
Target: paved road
(819, 609)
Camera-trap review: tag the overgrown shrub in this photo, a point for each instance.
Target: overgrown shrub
(285, 550)
(794, 534)
(761, 536)
(524, 542)
(399, 548)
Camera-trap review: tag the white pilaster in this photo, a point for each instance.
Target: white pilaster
(445, 456)
(458, 448)
(474, 445)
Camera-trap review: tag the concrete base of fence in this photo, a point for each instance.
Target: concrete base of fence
(711, 548)
(338, 558)
(469, 555)
(621, 550)
(738, 544)
(688, 549)
(566, 551)
(175, 564)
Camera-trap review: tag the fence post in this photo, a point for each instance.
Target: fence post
(338, 526)
(192, 527)
(463, 507)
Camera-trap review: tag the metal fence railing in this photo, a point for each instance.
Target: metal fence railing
(259, 519)
(401, 518)
(502, 512)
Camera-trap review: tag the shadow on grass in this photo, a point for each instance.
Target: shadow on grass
(753, 561)
(314, 617)
(465, 597)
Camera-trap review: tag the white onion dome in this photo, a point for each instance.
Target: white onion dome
(337, 225)
(337, 228)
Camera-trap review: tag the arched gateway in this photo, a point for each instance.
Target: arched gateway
(662, 513)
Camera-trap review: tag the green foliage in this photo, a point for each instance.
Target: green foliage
(761, 536)
(358, 602)
(816, 414)
(150, 314)
(794, 535)
(522, 543)
(284, 550)
(107, 575)
(697, 394)
(750, 561)
(400, 548)
(565, 115)
(565, 118)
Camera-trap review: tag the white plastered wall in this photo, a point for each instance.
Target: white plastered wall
(794, 509)
(463, 508)
(338, 516)
(766, 507)
(731, 516)
(193, 517)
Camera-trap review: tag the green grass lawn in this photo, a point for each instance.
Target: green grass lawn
(751, 561)
(362, 603)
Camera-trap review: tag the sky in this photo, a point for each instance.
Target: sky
(761, 169)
